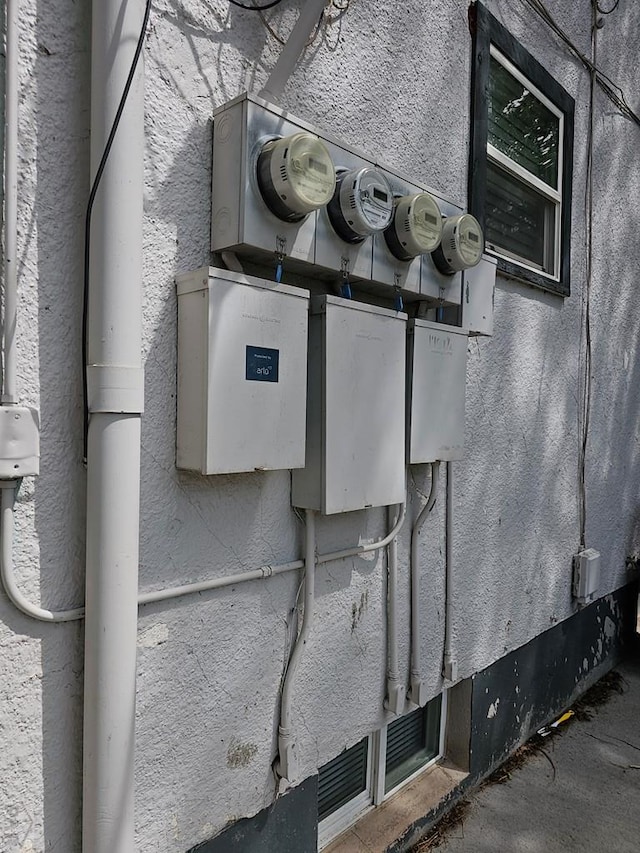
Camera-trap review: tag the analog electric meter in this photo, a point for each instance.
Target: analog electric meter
(296, 175)
(416, 228)
(461, 246)
(361, 205)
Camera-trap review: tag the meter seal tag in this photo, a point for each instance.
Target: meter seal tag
(440, 311)
(280, 251)
(345, 288)
(397, 294)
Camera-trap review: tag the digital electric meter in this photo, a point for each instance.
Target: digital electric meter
(416, 228)
(461, 246)
(361, 205)
(296, 175)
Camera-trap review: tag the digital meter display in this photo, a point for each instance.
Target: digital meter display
(473, 237)
(416, 227)
(295, 175)
(380, 195)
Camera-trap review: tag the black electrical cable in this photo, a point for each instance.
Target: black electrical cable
(607, 11)
(87, 227)
(256, 8)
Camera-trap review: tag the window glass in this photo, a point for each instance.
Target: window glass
(412, 741)
(521, 127)
(342, 779)
(519, 221)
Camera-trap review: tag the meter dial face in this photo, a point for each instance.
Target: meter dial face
(296, 175)
(417, 226)
(362, 204)
(462, 244)
(470, 240)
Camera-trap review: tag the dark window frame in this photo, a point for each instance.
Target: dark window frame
(487, 30)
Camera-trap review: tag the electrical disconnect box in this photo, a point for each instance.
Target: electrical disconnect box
(356, 408)
(242, 373)
(586, 575)
(19, 442)
(437, 362)
(478, 289)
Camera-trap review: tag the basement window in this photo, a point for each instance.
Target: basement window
(372, 770)
(520, 173)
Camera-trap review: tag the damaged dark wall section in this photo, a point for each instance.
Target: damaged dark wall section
(517, 694)
(290, 825)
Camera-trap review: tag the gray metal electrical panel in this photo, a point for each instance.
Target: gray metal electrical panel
(437, 362)
(242, 373)
(356, 408)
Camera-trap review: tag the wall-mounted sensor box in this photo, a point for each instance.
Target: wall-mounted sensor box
(356, 410)
(437, 363)
(242, 373)
(478, 290)
(240, 217)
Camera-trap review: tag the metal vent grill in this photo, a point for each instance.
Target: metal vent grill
(283, 173)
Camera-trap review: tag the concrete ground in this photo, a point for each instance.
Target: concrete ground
(583, 795)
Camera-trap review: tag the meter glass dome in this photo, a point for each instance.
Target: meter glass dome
(362, 204)
(296, 175)
(416, 228)
(462, 244)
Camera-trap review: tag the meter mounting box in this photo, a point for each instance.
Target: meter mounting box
(356, 408)
(242, 373)
(240, 218)
(478, 291)
(437, 362)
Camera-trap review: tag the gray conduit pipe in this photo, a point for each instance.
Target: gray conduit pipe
(9, 344)
(115, 398)
(418, 690)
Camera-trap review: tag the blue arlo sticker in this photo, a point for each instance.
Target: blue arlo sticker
(262, 364)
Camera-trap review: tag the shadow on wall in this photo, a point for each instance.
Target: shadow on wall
(518, 486)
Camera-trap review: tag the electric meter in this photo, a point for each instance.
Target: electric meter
(361, 205)
(416, 228)
(296, 175)
(461, 246)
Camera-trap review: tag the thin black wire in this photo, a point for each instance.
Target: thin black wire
(606, 83)
(607, 11)
(87, 227)
(256, 8)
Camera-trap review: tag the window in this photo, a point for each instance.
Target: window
(375, 768)
(520, 170)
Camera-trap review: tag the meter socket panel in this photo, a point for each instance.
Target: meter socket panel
(478, 290)
(242, 373)
(356, 408)
(246, 160)
(436, 368)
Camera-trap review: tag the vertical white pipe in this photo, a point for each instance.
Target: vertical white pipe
(9, 389)
(287, 764)
(396, 691)
(418, 692)
(449, 659)
(113, 457)
(307, 19)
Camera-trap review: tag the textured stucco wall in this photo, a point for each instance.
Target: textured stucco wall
(392, 79)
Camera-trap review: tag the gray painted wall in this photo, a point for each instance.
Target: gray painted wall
(392, 79)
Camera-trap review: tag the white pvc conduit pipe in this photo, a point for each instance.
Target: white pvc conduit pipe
(115, 401)
(307, 19)
(7, 573)
(396, 690)
(418, 686)
(449, 659)
(288, 764)
(9, 344)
